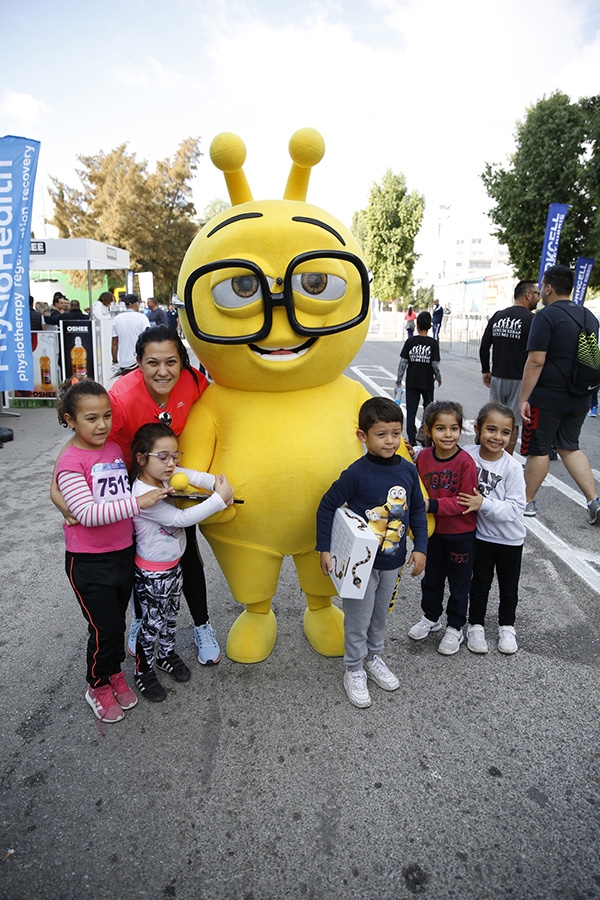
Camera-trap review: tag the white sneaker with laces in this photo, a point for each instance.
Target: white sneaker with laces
(507, 641)
(380, 674)
(355, 683)
(209, 652)
(450, 643)
(476, 641)
(423, 627)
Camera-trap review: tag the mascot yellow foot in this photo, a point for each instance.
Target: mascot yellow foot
(252, 636)
(324, 628)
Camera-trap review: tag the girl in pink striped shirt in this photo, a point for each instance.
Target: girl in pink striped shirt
(93, 480)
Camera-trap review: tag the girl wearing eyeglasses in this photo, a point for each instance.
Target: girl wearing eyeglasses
(160, 544)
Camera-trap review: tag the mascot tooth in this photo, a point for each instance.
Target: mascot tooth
(276, 305)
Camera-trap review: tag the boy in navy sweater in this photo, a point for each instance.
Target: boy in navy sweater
(379, 486)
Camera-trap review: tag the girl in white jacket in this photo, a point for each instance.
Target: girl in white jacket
(499, 502)
(160, 543)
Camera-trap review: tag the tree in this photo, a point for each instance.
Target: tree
(424, 297)
(387, 229)
(150, 214)
(557, 159)
(213, 209)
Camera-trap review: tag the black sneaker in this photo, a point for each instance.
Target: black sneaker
(150, 687)
(174, 666)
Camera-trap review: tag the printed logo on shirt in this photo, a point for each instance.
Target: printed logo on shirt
(507, 328)
(487, 481)
(386, 521)
(420, 353)
(444, 480)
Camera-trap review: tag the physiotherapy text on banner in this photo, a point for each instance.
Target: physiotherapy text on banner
(18, 165)
(557, 214)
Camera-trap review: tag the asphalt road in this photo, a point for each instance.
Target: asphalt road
(478, 778)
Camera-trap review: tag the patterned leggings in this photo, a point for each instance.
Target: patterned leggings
(159, 594)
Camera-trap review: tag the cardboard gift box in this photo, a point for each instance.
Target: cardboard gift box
(353, 550)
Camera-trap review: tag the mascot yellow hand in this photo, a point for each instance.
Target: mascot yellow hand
(276, 296)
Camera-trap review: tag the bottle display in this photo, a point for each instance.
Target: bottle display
(45, 373)
(78, 359)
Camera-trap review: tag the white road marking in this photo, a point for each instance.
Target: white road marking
(381, 380)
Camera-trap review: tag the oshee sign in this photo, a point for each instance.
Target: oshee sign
(18, 164)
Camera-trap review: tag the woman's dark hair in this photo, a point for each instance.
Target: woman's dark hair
(70, 394)
(144, 440)
(159, 334)
(492, 406)
(439, 408)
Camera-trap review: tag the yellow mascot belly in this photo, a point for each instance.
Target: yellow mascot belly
(281, 452)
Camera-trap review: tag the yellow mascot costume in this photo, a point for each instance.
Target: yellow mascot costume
(276, 299)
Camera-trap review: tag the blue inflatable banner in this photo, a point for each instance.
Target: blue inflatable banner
(557, 213)
(18, 164)
(583, 270)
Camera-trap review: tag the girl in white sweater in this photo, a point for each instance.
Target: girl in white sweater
(499, 502)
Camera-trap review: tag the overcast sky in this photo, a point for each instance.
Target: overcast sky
(429, 88)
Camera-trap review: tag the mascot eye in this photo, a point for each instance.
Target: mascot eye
(319, 284)
(241, 290)
(245, 285)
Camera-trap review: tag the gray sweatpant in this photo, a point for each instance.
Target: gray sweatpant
(365, 620)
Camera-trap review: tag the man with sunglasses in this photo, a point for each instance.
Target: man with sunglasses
(506, 336)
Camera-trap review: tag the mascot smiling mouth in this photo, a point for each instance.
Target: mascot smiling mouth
(283, 353)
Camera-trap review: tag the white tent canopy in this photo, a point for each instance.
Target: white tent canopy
(64, 254)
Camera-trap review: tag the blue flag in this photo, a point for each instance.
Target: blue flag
(557, 213)
(18, 164)
(583, 270)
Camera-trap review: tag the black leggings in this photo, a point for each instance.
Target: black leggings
(449, 556)
(194, 582)
(506, 560)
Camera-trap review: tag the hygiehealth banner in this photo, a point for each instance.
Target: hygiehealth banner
(18, 164)
(583, 270)
(557, 214)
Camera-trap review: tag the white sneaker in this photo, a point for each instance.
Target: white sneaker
(476, 641)
(380, 674)
(355, 683)
(135, 626)
(451, 641)
(507, 642)
(423, 627)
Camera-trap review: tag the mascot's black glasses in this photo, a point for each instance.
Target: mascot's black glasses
(305, 295)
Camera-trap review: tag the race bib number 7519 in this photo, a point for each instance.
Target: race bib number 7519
(110, 482)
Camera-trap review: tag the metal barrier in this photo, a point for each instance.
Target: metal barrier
(460, 334)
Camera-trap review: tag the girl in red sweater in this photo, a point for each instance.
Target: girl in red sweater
(446, 472)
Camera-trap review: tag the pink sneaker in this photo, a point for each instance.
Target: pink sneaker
(105, 707)
(124, 696)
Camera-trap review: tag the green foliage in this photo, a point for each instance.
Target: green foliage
(150, 214)
(213, 209)
(557, 160)
(387, 229)
(424, 297)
